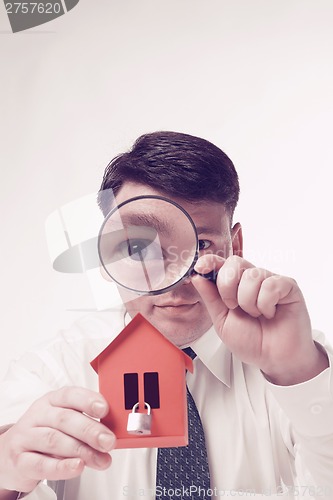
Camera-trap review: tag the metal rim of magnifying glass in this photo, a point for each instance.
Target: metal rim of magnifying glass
(195, 258)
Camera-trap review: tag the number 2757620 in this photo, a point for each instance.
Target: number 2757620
(33, 8)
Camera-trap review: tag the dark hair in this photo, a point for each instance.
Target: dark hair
(176, 164)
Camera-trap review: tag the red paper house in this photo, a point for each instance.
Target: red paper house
(142, 366)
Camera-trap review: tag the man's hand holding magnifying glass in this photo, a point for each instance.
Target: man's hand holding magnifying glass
(261, 317)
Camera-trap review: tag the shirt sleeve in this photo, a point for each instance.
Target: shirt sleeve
(20, 388)
(41, 492)
(309, 408)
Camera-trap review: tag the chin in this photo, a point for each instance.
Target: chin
(179, 332)
(180, 321)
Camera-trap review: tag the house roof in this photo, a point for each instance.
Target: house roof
(138, 322)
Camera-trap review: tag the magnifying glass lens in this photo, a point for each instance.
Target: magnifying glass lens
(148, 244)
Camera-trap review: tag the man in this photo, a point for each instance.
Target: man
(261, 383)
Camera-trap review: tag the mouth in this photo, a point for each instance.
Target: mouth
(176, 306)
(176, 303)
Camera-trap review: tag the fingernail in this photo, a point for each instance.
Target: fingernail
(75, 463)
(99, 460)
(106, 441)
(99, 408)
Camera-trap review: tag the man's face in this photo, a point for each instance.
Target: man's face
(180, 314)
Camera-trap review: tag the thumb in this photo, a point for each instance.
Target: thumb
(208, 290)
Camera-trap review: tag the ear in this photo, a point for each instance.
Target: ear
(237, 240)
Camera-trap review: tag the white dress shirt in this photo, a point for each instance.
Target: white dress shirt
(263, 441)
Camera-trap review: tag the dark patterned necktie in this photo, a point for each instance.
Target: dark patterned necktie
(183, 472)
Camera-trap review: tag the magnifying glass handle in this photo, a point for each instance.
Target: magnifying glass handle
(212, 276)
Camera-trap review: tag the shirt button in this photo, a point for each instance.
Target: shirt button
(316, 409)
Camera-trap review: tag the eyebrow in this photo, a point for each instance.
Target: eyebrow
(161, 226)
(210, 231)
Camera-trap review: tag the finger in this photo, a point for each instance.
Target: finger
(208, 262)
(275, 290)
(229, 277)
(209, 293)
(249, 288)
(79, 426)
(208, 290)
(52, 442)
(39, 467)
(81, 399)
(62, 409)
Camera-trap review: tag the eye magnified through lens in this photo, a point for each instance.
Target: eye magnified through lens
(148, 244)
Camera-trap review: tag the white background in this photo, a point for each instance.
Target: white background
(253, 76)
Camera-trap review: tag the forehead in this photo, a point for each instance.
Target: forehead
(209, 217)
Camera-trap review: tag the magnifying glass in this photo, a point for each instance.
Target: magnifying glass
(149, 244)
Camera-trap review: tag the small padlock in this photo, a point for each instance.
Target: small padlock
(139, 423)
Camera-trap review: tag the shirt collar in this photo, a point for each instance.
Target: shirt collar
(214, 355)
(211, 351)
